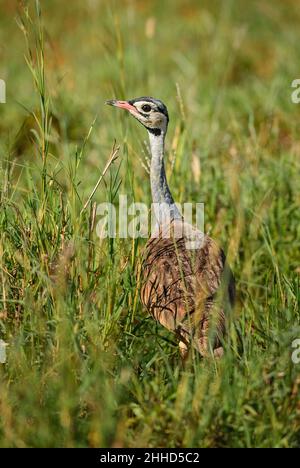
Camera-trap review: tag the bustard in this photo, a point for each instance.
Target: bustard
(187, 285)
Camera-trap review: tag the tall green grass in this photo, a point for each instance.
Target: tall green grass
(86, 366)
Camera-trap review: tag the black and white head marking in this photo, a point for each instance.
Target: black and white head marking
(152, 113)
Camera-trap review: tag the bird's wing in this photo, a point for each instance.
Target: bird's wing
(181, 285)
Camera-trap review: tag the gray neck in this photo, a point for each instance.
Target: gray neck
(161, 195)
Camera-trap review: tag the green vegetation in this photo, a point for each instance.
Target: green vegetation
(86, 366)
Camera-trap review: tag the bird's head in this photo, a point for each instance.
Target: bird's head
(152, 113)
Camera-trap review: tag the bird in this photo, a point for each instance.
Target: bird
(186, 283)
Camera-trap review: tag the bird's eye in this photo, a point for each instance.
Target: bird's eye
(146, 108)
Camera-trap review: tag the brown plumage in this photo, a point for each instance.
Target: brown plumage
(189, 291)
(187, 285)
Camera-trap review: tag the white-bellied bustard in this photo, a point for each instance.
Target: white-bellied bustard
(187, 285)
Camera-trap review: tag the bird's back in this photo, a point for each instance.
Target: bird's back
(187, 285)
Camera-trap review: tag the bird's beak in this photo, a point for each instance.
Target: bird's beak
(121, 104)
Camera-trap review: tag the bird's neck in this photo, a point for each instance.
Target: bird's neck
(161, 196)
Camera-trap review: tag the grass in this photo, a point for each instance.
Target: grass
(85, 364)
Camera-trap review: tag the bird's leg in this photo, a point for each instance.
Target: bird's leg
(184, 350)
(183, 343)
(219, 352)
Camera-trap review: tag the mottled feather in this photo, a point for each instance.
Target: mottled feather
(188, 291)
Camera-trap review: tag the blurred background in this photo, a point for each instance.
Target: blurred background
(224, 69)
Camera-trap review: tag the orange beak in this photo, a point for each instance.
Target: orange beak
(121, 104)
